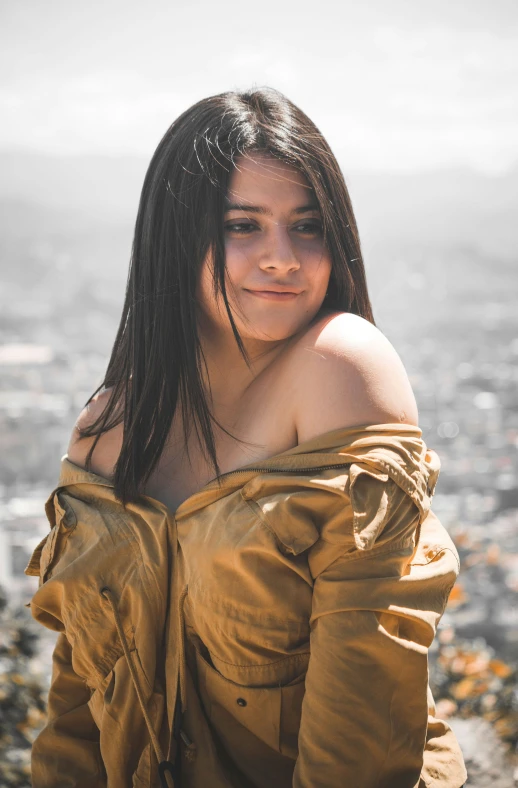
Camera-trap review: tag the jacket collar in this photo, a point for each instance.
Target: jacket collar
(396, 449)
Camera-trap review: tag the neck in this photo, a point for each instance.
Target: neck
(227, 371)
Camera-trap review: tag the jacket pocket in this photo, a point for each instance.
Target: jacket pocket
(272, 714)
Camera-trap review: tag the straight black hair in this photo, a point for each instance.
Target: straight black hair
(156, 356)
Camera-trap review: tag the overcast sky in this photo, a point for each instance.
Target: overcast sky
(393, 84)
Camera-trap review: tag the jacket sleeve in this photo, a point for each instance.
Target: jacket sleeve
(374, 615)
(66, 751)
(96, 734)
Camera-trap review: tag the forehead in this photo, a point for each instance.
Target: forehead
(260, 178)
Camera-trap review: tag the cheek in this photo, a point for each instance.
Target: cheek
(319, 269)
(239, 260)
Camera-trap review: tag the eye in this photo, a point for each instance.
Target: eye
(310, 228)
(241, 228)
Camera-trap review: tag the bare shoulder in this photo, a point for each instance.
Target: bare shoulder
(349, 374)
(109, 444)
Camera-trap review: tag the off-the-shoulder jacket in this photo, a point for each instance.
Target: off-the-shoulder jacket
(272, 632)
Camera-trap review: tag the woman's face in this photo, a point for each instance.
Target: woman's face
(273, 239)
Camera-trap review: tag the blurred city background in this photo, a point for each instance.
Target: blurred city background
(419, 102)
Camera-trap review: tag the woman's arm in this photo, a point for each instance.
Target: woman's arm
(374, 616)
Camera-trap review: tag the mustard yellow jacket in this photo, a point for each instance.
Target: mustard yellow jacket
(273, 632)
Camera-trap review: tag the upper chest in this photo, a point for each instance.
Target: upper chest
(261, 424)
(263, 421)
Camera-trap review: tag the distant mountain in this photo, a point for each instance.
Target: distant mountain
(101, 188)
(39, 241)
(439, 208)
(74, 218)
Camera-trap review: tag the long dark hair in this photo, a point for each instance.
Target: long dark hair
(156, 357)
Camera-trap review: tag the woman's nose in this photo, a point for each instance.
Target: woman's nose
(279, 251)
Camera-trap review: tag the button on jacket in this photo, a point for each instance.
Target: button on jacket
(272, 632)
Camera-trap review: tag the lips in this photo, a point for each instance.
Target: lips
(273, 290)
(273, 295)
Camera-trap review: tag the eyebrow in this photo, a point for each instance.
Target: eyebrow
(266, 211)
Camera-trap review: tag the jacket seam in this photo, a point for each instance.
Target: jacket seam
(266, 664)
(231, 610)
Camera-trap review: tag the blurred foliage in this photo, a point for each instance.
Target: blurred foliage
(468, 680)
(22, 694)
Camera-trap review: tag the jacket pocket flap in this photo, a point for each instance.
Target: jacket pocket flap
(289, 517)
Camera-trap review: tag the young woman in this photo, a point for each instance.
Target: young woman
(243, 564)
